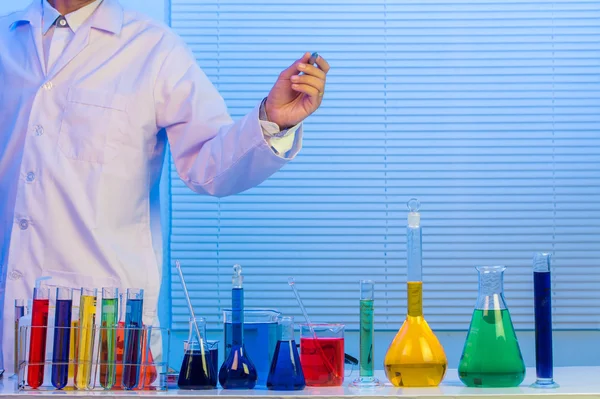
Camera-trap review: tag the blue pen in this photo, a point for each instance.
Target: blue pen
(313, 58)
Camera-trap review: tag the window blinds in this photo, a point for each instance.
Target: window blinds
(486, 111)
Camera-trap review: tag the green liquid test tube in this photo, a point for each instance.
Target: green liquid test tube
(366, 378)
(109, 320)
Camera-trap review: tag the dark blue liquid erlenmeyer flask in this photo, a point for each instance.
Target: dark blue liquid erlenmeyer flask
(197, 369)
(286, 371)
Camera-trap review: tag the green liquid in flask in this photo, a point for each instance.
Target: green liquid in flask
(491, 357)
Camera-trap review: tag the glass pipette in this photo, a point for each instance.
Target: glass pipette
(191, 309)
(292, 284)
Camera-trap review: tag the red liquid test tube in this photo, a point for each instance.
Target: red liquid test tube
(37, 341)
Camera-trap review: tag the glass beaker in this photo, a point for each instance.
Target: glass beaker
(491, 356)
(322, 354)
(197, 369)
(415, 357)
(286, 370)
(213, 350)
(260, 338)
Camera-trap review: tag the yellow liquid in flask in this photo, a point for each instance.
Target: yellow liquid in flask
(415, 358)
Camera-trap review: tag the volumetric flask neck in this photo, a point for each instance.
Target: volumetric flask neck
(491, 288)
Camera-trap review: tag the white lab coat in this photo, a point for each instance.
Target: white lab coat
(81, 152)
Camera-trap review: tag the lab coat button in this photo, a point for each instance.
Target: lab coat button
(23, 224)
(48, 86)
(30, 177)
(39, 130)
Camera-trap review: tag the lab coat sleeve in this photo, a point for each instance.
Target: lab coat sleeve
(212, 154)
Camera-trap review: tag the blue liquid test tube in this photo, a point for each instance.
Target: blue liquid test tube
(542, 281)
(132, 355)
(62, 337)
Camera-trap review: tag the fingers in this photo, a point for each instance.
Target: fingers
(324, 65)
(293, 69)
(307, 89)
(315, 82)
(311, 70)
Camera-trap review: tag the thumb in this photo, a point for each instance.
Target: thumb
(293, 69)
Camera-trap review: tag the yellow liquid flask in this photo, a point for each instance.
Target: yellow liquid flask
(415, 358)
(87, 318)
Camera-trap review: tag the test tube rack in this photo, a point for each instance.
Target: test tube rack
(150, 370)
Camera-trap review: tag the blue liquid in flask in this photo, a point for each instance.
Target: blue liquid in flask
(197, 369)
(260, 339)
(238, 371)
(286, 371)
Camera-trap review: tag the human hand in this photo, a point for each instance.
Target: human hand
(295, 96)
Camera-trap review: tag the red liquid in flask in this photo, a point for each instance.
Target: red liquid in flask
(37, 342)
(322, 368)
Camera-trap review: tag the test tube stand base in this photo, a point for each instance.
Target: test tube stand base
(366, 383)
(544, 383)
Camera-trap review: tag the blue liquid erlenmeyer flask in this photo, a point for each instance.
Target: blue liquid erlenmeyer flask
(286, 371)
(197, 369)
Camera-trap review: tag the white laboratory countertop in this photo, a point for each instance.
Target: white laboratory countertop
(583, 382)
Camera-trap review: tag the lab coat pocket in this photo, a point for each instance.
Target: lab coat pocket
(63, 278)
(91, 121)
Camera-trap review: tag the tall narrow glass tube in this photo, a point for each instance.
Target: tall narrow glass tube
(132, 355)
(367, 329)
(62, 337)
(85, 352)
(20, 310)
(74, 346)
(542, 290)
(415, 358)
(237, 371)
(109, 320)
(37, 340)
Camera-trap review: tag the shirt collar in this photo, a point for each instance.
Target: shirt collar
(102, 14)
(75, 19)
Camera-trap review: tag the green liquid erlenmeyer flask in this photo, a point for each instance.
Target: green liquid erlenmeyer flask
(491, 357)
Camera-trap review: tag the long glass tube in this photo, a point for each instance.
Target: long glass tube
(109, 320)
(74, 347)
(367, 365)
(62, 337)
(542, 290)
(87, 319)
(133, 333)
(20, 310)
(37, 340)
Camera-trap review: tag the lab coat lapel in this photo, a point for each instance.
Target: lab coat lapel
(74, 48)
(33, 15)
(108, 17)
